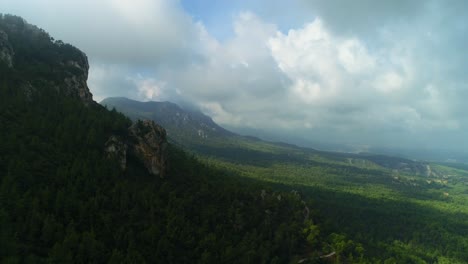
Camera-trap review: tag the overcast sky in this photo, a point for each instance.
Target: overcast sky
(365, 72)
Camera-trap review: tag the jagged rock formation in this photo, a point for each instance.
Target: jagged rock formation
(148, 143)
(150, 146)
(76, 84)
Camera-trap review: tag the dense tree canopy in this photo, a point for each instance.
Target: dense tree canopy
(62, 199)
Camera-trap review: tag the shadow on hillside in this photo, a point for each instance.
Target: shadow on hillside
(246, 156)
(374, 222)
(377, 223)
(343, 174)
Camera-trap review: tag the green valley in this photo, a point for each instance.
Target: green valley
(153, 182)
(401, 211)
(82, 184)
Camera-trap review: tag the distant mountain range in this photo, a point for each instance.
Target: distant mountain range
(198, 132)
(82, 184)
(178, 122)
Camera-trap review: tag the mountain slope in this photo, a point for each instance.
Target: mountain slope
(402, 211)
(66, 198)
(200, 133)
(32, 59)
(177, 121)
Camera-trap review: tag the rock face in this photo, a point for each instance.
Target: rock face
(148, 143)
(76, 75)
(6, 51)
(150, 146)
(76, 84)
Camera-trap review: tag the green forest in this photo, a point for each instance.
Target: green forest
(63, 200)
(397, 209)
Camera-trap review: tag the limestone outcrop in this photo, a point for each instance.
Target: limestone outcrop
(147, 142)
(150, 146)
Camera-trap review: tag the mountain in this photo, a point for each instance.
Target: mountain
(82, 184)
(198, 132)
(35, 67)
(399, 210)
(179, 123)
(33, 60)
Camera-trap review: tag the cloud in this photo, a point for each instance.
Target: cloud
(366, 72)
(365, 16)
(238, 74)
(110, 80)
(354, 56)
(136, 32)
(315, 82)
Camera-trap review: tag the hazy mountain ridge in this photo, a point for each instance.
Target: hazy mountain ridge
(79, 186)
(204, 135)
(385, 200)
(177, 121)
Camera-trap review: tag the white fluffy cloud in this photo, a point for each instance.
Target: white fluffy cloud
(312, 81)
(137, 32)
(386, 87)
(395, 75)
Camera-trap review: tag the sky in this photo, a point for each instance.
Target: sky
(363, 73)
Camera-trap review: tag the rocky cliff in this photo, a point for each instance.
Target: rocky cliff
(75, 83)
(33, 62)
(150, 146)
(38, 61)
(147, 142)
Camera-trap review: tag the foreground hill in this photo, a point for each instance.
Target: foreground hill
(81, 184)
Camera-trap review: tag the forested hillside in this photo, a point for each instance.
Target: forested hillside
(400, 210)
(184, 126)
(77, 186)
(63, 199)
